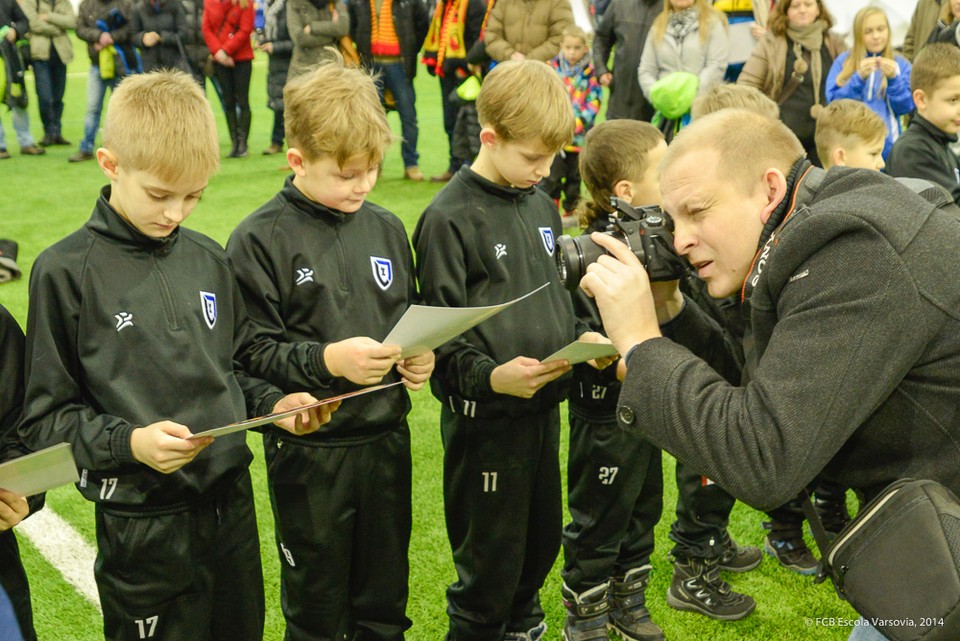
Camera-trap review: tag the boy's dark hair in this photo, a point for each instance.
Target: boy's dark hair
(612, 151)
(934, 64)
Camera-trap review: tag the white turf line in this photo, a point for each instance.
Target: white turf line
(64, 549)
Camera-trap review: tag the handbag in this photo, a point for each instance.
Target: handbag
(898, 562)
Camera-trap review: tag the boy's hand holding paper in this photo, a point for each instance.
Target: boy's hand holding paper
(416, 370)
(307, 421)
(360, 360)
(13, 509)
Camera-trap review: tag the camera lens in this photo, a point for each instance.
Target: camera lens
(573, 256)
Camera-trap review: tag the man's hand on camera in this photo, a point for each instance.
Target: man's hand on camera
(621, 288)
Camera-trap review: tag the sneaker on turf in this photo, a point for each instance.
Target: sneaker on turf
(792, 554)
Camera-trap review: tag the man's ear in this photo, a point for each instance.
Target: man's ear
(296, 162)
(108, 163)
(488, 137)
(624, 190)
(839, 157)
(775, 190)
(920, 98)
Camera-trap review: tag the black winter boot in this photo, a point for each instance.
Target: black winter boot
(587, 613)
(231, 117)
(9, 270)
(697, 587)
(629, 616)
(243, 132)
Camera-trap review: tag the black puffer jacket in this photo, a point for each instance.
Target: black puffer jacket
(411, 21)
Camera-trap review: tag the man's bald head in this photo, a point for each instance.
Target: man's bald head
(746, 145)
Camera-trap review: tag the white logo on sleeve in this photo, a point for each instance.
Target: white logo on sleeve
(501, 250)
(124, 319)
(208, 301)
(304, 275)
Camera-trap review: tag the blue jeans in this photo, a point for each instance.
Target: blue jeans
(21, 125)
(51, 78)
(865, 632)
(394, 78)
(96, 90)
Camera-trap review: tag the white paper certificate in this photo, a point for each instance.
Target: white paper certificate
(39, 471)
(423, 328)
(581, 352)
(277, 416)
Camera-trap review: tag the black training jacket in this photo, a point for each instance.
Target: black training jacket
(126, 330)
(312, 276)
(923, 151)
(477, 244)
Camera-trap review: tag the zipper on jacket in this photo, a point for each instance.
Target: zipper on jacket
(341, 260)
(166, 296)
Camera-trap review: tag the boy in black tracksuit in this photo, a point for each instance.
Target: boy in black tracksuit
(325, 276)
(135, 323)
(13, 579)
(923, 151)
(615, 479)
(488, 237)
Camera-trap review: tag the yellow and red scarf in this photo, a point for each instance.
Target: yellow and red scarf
(384, 42)
(445, 37)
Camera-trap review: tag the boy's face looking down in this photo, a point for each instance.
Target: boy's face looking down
(573, 49)
(860, 154)
(339, 188)
(941, 107)
(718, 224)
(520, 164)
(153, 206)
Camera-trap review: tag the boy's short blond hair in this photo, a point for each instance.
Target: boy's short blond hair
(161, 123)
(613, 151)
(574, 31)
(727, 96)
(934, 64)
(335, 110)
(524, 101)
(847, 123)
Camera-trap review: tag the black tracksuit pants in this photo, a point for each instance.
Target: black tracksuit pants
(703, 511)
(501, 490)
(14, 582)
(343, 519)
(193, 574)
(615, 497)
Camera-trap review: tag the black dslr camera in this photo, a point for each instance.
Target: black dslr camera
(647, 231)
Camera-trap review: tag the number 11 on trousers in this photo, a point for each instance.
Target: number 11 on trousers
(489, 481)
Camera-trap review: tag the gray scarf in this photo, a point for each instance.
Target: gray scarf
(680, 23)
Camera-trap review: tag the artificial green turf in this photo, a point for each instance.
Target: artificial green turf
(45, 198)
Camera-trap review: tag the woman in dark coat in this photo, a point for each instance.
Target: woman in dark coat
(160, 27)
(277, 43)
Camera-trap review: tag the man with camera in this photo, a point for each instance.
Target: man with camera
(850, 304)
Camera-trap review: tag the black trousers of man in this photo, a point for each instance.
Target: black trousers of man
(501, 490)
(343, 519)
(192, 574)
(615, 497)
